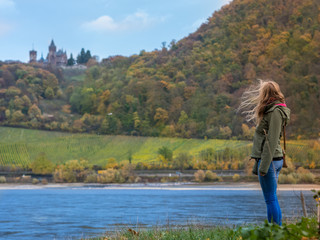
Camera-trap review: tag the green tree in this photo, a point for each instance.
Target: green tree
(34, 112)
(71, 61)
(17, 116)
(83, 57)
(42, 165)
(182, 161)
(49, 93)
(72, 171)
(166, 153)
(87, 56)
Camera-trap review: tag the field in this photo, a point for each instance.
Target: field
(21, 146)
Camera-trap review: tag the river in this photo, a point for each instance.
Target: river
(91, 210)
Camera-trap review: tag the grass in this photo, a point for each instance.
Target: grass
(303, 229)
(27, 144)
(176, 233)
(21, 146)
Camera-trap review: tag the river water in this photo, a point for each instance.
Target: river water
(76, 212)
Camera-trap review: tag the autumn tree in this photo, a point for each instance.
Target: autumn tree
(42, 165)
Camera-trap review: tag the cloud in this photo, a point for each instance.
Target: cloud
(137, 21)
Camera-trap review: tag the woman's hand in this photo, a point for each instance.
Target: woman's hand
(262, 174)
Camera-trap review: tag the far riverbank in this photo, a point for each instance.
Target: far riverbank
(162, 186)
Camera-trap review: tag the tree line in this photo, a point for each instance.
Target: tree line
(192, 87)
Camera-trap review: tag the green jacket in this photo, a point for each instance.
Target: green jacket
(266, 139)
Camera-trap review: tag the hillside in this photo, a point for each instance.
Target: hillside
(191, 88)
(20, 147)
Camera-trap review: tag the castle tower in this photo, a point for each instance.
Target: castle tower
(52, 53)
(32, 56)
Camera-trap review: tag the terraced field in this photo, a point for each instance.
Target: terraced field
(21, 146)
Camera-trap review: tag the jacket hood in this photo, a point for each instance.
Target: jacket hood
(284, 110)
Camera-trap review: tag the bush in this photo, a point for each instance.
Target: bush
(110, 176)
(42, 165)
(199, 176)
(300, 176)
(91, 178)
(127, 170)
(212, 177)
(164, 180)
(35, 181)
(236, 177)
(44, 181)
(25, 179)
(301, 170)
(306, 178)
(287, 179)
(137, 179)
(305, 229)
(3, 179)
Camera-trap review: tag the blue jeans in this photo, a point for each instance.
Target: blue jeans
(268, 184)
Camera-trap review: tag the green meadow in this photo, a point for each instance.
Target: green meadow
(22, 146)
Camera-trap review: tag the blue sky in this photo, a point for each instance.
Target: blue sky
(105, 27)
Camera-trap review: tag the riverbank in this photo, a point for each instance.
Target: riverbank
(162, 186)
(305, 228)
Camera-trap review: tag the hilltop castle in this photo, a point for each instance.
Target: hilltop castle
(54, 58)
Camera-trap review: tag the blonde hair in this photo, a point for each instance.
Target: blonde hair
(257, 97)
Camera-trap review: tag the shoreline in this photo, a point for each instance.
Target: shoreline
(159, 186)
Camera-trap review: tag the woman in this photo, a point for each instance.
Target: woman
(267, 108)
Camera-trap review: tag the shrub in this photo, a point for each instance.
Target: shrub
(199, 176)
(110, 176)
(127, 170)
(91, 178)
(306, 178)
(42, 165)
(164, 180)
(137, 179)
(287, 179)
(182, 161)
(166, 153)
(301, 170)
(112, 163)
(35, 181)
(44, 181)
(3, 179)
(25, 179)
(249, 167)
(304, 229)
(300, 176)
(236, 177)
(212, 177)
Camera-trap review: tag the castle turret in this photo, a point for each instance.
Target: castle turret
(52, 53)
(32, 56)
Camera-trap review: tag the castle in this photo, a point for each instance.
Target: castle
(54, 58)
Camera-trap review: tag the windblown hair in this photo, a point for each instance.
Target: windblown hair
(257, 97)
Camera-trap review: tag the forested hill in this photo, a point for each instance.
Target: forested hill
(191, 88)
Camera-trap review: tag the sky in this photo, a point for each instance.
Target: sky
(105, 27)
